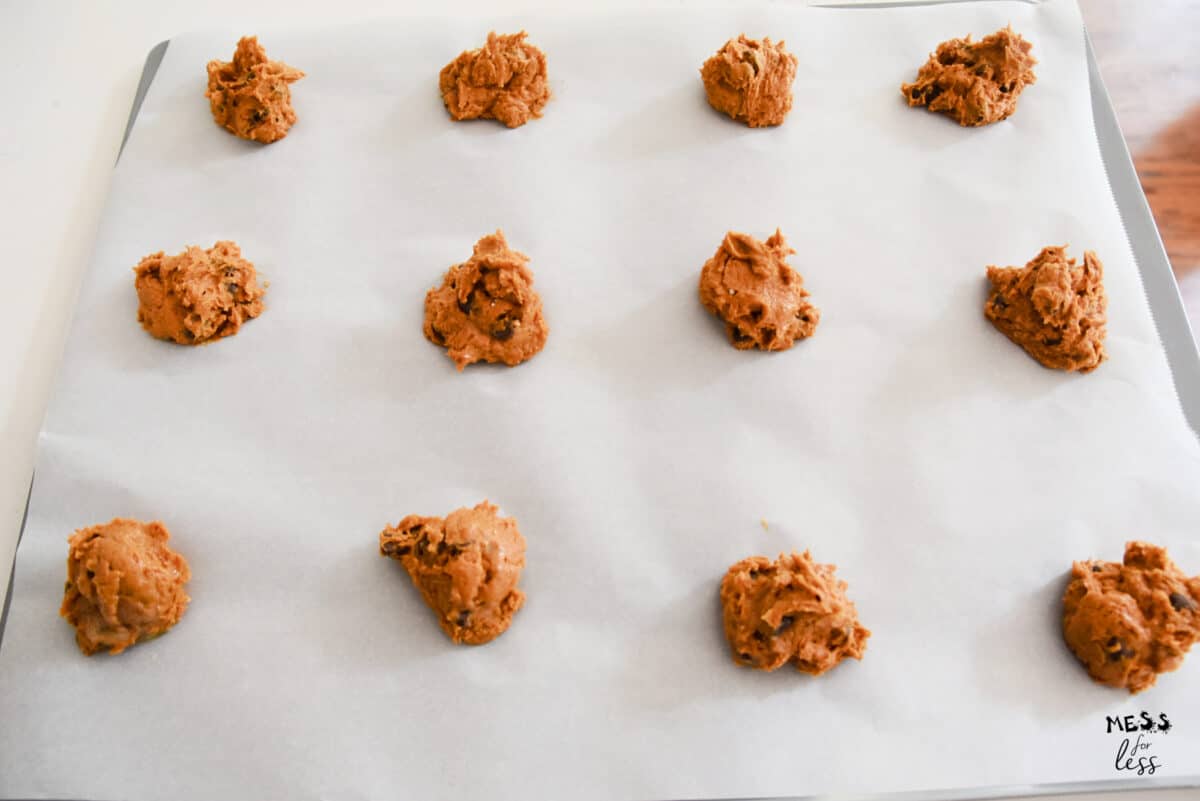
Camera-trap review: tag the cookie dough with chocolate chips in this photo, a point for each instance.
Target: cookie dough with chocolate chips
(1129, 621)
(504, 80)
(790, 610)
(249, 96)
(750, 80)
(486, 309)
(466, 567)
(124, 585)
(1053, 308)
(198, 295)
(974, 83)
(762, 300)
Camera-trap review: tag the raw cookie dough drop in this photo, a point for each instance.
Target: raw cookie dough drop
(1129, 621)
(249, 96)
(466, 567)
(974, 83)
(1053, 308)
(790, 610)
(761, 299)
(124, 584)
(486, 308)
(198, 295)
(504, 80)
(750, 80)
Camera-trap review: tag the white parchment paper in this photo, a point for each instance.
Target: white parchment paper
(950, 478)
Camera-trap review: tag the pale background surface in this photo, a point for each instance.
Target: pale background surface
(72, 69)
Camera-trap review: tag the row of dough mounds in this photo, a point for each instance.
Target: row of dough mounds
(1126, 622)
(486, 309)
(974, 83)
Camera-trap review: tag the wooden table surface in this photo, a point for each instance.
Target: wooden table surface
(1149, 55)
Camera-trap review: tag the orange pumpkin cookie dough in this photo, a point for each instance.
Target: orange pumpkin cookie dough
(124, 584)
(750, 80)
(198, 295)
(974, 83)
(1053, 308)
(1129, 621)
(249, 96)
(762, 300)
(486, 308)
(790, 610)
(466, 567)
(504, 80)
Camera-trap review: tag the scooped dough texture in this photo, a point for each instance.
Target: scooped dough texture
(750, 80)
(749, 284)
(124, 584)
(1053, 308)
(974, 83)
(486, 308)
(249, 96)
(791, 610)
(197, 295)
(504, 80)
(466, 567)
(1128, 622)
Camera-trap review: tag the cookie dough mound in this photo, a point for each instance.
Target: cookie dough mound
(974, 83)
(1128, 622)
(486, 308)
(1053, 308)
(790, 610)
(751, 81)
(249, 96)
(504, 80)
(124, 584)
(466, 567)
(198, 295)
(750, 285)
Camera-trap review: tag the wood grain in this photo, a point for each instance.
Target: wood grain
(1149, 55)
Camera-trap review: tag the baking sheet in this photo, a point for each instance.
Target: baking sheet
(950, 479)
